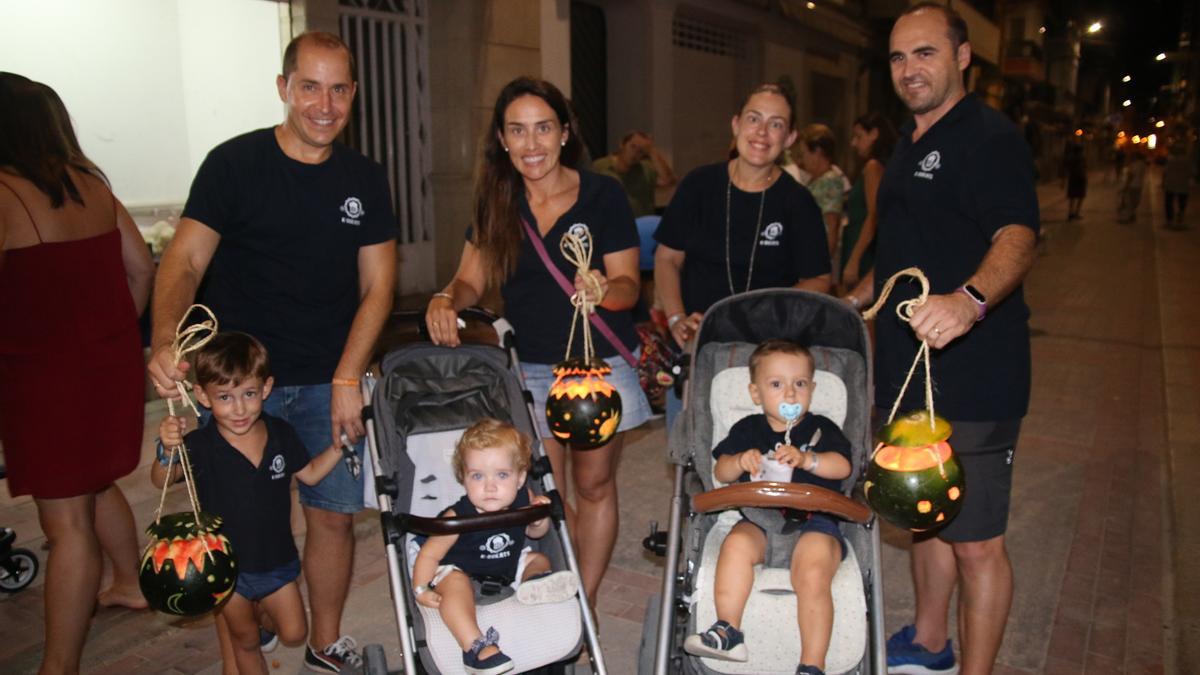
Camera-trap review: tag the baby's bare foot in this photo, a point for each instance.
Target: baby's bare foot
(120, 596)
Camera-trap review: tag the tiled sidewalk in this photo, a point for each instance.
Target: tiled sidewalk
(1095, 525)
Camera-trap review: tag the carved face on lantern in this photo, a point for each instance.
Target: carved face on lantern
(913, 480)
(583, 410)
(188, 567)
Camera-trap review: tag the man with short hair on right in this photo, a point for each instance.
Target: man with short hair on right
(957, 201)
(640, 168)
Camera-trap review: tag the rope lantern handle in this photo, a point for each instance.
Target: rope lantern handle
(905, 310)
(577, 249)
(188, 338)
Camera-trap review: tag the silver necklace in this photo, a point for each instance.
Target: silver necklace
(728, 233)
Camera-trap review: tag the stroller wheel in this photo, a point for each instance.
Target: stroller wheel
(374, 660)
(18, 570)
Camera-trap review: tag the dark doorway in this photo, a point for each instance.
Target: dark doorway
(589, 76)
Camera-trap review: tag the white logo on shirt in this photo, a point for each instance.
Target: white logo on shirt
(581, 230)
(277, 467)
(770, 234)
(497, 546)
(931, 162)
(353, 208)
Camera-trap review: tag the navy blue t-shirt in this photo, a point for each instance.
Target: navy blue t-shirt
(255, 503)
(286, 269)
(538, 308)
(941, 201)
(754, 431)
(791, 236)
(488, 553)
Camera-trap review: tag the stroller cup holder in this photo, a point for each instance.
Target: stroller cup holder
(769, 494)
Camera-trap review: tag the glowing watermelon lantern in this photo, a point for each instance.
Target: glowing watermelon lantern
(583, 410)
(913, 480)
(188, 567)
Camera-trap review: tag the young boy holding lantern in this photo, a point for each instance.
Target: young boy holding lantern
(491, 460)
(781, 444)
(243, 461)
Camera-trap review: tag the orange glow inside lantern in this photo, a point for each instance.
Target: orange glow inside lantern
(582, 409)
(913, 479)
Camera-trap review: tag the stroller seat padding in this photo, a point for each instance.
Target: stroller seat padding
(769, 621)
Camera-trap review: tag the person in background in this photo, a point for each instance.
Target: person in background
(74, 276)
(1177, 181)
(640, 168)
(873, 139)
(1075, 175)
(293, 235)
(1129, 185)
(817, 147)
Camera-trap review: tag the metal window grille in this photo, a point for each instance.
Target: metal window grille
(702, 36)
(390, 122)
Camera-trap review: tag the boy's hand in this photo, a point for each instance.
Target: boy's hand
(535, 501)
(789, 455)
(170, 431)
(750, 461)
(430, 598)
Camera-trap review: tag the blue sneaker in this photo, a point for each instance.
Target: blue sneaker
(496, 664)
(904, 657)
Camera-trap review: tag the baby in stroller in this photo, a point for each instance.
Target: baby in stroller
(760, 447)
(491, 461)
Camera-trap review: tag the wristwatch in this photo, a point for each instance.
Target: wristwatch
(976, 297)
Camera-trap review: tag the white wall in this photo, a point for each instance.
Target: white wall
(151, 85)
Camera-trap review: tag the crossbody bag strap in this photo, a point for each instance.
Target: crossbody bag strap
(569, 289)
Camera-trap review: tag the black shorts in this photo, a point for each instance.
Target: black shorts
(985, 451)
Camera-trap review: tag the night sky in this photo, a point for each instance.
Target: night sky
(1134, 32)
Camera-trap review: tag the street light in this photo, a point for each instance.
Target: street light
(1161, 57)
(1095, 27)
(1126, 103)
(1127, 78)
(1159, 124)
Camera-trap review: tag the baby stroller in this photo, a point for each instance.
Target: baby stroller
(423, 400)
(702, 512)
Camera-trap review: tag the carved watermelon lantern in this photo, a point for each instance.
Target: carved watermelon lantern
(188, 568)
(913, 479)
(583, 410)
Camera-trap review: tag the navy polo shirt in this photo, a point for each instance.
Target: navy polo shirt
(538, 308)
(255, 502)
(941, 201)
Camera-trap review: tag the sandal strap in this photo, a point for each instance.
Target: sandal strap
(718, 636)
(489, 638)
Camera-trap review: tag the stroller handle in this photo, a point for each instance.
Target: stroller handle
(772, 495)
(485, 521)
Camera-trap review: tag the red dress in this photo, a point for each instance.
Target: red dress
(71, 370)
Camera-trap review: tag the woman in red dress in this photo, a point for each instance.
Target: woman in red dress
(74, 276)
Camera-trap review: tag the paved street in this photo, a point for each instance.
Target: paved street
(1103, 534)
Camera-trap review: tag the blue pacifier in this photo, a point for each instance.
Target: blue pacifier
(791, 411)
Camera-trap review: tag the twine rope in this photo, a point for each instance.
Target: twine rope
(577, 249)
(905, 310)
(187, 339)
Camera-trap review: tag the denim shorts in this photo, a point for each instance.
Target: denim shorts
(780, 546)
(635, 409)
(255, 586)
(306, 408)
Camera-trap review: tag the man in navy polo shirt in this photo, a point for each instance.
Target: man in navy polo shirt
(292, 234)
(957, 201)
